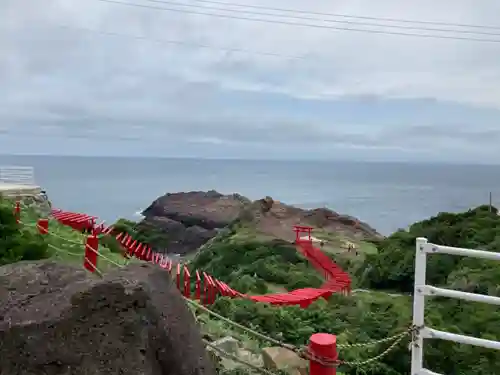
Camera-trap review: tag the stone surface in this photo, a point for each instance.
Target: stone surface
(277, 358)
(60, 320)
(228, 344)
(15, 190)
(190, 219)
(40, 203)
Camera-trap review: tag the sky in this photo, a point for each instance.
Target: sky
(163, 78)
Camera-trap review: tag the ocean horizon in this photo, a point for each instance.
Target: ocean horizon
(386, 195)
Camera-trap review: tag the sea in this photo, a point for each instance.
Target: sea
(388, 196)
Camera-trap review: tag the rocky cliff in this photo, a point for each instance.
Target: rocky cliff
(57, 319)
(190, 219)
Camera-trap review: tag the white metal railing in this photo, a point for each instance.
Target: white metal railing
(422, 290)
(17, 175)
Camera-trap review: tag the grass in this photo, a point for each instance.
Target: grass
(275, 288)
(246, 233)
(67, 245)
(336, 243)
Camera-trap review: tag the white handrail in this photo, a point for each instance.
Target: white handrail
(17, 175)
(422, 290)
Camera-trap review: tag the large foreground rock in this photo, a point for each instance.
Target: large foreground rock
(59, 320)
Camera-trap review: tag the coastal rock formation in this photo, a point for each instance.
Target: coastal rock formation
(39, 202)
(208, 210)
(57, 319)
(35, 199)
(188, 220)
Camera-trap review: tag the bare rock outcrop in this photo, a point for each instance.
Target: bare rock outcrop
(188, 220)
(60, 320)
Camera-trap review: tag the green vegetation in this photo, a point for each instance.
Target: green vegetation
(254, 266)
(17, 243)
(141, 232)
(386, 309)
(392, 267)
(22, 241)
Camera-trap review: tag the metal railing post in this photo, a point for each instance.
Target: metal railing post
(417, 348)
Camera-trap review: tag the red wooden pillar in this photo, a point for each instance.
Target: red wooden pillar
(178, 276)
(91, 251)
(206, 290)
(187, 283)
(213, 290)
(17, 211)
(43, 226)
(323, 346)
(198, 286)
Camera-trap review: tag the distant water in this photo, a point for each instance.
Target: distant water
(386, 195)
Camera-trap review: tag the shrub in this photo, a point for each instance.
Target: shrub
(17, 244)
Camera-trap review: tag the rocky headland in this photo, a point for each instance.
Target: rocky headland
(190, 219)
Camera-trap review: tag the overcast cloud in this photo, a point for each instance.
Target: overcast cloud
(91, 77)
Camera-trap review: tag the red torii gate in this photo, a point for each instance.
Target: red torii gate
(299, 229)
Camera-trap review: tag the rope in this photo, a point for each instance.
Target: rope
(242, 327)
(99, 272)
(237, 359)
(51, 233)
(62, 238)
(306, 353)
(100, 254)
(377, 357)
(105, 257)
(64, 251)
(374, 342)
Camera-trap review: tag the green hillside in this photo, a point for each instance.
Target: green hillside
(385, 310)
(22, 241)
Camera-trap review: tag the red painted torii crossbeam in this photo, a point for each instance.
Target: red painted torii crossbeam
(298, 229)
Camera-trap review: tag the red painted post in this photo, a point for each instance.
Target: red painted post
(208, 290)
(205, 296)
(213, 290)
(198, 286)
(91, 249)
(129, 240)
(187, 283)
(323, 346)
(138, 250)
(43, 226)
(178, 276)
(17, 211)
(129, 252)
